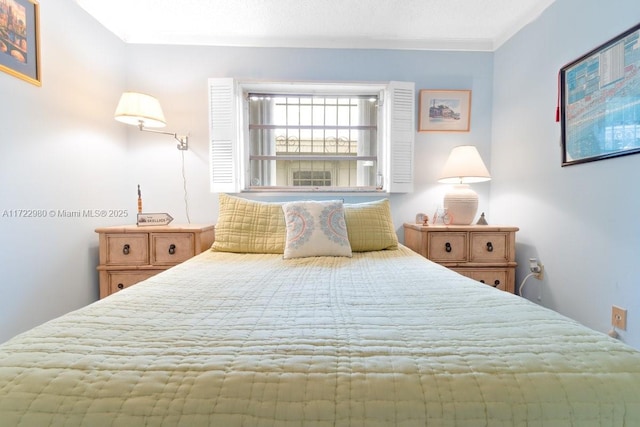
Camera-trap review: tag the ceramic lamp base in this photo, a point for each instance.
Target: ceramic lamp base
(461, 203)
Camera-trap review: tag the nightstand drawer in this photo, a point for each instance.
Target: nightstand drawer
(127, 249)
(489, 247)
(482, 252)
(118, 280)
(130, 253)
(498, 278)
(447, 247)
(171, 248)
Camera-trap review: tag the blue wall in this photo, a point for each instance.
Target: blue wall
(581, 221)
(59, 150)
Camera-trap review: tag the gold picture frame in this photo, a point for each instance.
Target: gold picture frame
(20, 39)
(445, 110)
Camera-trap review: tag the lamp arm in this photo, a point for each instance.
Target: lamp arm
(183, 141)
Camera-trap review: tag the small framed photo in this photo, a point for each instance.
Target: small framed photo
(19, 39)
(445, 110)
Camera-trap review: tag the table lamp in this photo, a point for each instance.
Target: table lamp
(463, 167)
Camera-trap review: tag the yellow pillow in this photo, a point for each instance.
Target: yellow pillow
(370, 226)
(249, 226)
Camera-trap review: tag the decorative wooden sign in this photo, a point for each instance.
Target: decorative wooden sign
(145, 219)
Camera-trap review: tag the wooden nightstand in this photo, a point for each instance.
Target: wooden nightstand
(130, 254)
(482, 252)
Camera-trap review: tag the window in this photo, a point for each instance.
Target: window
(311, 136)
(303, 178)
(327, 141)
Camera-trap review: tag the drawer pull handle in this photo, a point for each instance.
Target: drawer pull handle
(172, 249)
(490, 246)
(126, 249)
(447, 247)
(496, 283)
(120, 286)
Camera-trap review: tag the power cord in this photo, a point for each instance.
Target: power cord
(536, 268)
(184, 186)
(521, 287)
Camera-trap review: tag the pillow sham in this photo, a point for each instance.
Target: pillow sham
(315, 229)
(248, 226)
(370, 226)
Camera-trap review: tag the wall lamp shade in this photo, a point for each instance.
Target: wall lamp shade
(144, 111)
(463, 167)
(135, 108)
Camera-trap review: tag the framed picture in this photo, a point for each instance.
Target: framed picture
(445, 110)
(19, 39)
(600, 101)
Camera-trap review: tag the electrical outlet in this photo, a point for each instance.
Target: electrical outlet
(619, 318)
(540, 274)
(536, 268)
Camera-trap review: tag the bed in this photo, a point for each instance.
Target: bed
(375, 338)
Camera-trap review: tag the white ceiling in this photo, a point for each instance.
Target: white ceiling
(481, 25)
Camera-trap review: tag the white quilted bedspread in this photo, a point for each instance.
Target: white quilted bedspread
(384, 338)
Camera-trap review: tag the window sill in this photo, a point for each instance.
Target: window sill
(281, 192)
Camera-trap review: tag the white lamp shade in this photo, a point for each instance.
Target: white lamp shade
(464, 166)
(135, 108)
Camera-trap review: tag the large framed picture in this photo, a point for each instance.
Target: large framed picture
(445, 110)
(600, 101)
(19, 39)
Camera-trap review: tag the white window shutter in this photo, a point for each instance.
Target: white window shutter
(401, 133)
(223, 136)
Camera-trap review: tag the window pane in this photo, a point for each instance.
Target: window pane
(334, 139)
(285, 173)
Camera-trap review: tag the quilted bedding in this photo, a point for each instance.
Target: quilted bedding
(383, 338)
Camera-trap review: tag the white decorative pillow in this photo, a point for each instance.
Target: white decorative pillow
(315, 229)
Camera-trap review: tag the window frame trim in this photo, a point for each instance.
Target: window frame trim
(246, 89)
(396, 122)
